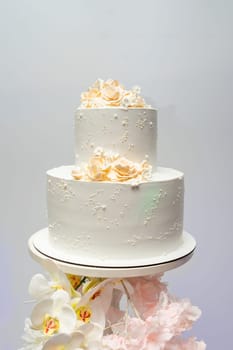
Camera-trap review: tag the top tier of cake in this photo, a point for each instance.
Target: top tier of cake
(118, 121)
(129, 132)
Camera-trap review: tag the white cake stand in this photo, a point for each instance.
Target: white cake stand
(108, 272)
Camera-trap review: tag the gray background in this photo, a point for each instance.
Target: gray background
(181, 54)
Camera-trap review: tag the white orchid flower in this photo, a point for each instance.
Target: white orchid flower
(33, 339)
(87, 337)
(40, 287)
(65, 342)
(54, 315)
(90, 313)
(100, 292)
(92, 335)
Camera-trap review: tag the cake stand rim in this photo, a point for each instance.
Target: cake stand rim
(111, 271)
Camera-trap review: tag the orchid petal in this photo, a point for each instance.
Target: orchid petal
(40, 310)
(96, 333)
(67, 319)
(98, 315)
(105, 297)
(91, 292)
(57, 276)
(60, 298)
(56, 340)
(76, 340)
(95, 345)
(50, 266)
(38, 286)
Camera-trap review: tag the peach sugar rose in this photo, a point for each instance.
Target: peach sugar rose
(111, 93)
(105, 166)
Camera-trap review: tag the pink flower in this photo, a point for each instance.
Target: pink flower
(114, 342)
(157, 334)
(170, 319)
(135, 334)
(146, 293)
(188, 315)
(185, 344)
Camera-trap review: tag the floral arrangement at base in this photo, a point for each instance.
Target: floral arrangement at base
(83, 313)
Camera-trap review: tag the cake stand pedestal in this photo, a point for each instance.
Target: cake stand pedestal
(108, 272)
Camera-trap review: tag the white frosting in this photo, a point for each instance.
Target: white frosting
(130, 132)
(115, 220)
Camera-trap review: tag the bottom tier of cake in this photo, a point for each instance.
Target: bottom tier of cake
(115, 221)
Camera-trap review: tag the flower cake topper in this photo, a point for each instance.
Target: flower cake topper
(111, 93)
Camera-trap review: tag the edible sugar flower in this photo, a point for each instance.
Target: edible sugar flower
(93, 319)
(54, 315)
(124, 169)
(171, 317)
(33, 339)
(49, 317)
(146, 293)
(107, 166)
(94, 304)
(114, 342)
(98, 288)
(64, 342)
(87, 337)
(191, 343)
(111, 93)
(98, 167)
(41, 287)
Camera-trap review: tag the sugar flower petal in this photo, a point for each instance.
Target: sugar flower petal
(60, 297)
(40, 310)
(67, 319)
(33, 338)
(39, 286)
(65, 341)
(191, 343)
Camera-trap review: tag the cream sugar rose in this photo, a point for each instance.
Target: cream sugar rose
(115, 206)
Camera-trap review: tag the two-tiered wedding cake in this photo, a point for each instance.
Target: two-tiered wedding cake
(115, 223)
(115, 207)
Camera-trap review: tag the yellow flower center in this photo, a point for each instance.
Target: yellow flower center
(51, 325)
(74, 280)
(84, 314)
(58, 287)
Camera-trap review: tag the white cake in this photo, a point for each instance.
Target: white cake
(112, 221)
(115, 207)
